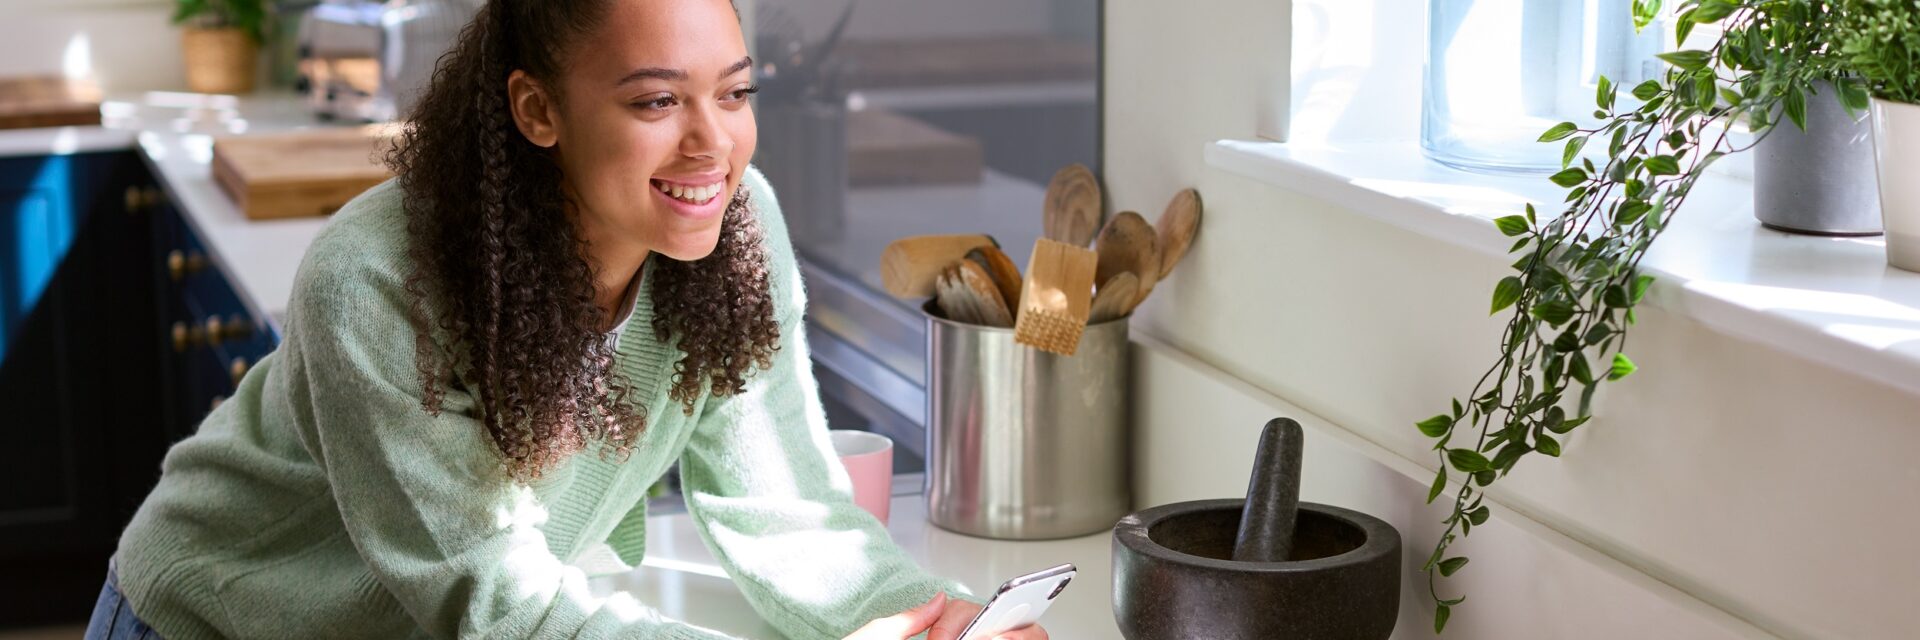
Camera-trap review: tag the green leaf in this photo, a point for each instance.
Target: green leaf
(1598, 332)
(1796, 105)
(1712, 11)
(1688, 59)
(1559, 131)
(1614, 296)
(1853, 94)
(1663, 165)
(1681, 30)
(1509, 455)
(1440, 618)
(1632, 211)
(1640, 286)
(1603, 93)
(1451, 565)
(1505, 293)
(1580, 370)
(1511, 225)
(1479, 516)
(1622, 367)
(1554, 312)
(1544, 443)
(1467, 460)
(1573, 149)
(1570, 424)
(1568, 341)
(1644, 11)
(1439, 485)
(1436, 426)
(1569, 177)
(1485, 478)
(1646, 90)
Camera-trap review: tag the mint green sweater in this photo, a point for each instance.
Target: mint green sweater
(321, 501)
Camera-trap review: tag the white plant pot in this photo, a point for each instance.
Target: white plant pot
(1896, 156)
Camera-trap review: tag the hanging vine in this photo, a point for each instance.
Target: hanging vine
(1577, 279)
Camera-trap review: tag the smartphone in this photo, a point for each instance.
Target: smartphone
(1019, 602)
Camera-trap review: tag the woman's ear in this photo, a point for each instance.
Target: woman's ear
(534, 111)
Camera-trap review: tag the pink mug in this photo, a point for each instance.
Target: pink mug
(868, 458)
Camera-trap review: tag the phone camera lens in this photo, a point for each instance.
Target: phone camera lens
(1058, 589)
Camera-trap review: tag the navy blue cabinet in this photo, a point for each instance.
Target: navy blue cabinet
(78, 361)
(117, 336)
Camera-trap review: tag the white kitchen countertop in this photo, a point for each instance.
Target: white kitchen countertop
(682, 580)
(174, 134)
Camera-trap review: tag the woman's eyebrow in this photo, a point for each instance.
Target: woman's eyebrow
(679, 74)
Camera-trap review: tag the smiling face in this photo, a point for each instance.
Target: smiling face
(650, 124)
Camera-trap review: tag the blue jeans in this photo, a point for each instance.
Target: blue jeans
(113, 618)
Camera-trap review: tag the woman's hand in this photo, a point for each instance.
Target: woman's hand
(956, 615)
(905, 624)
(944, 619)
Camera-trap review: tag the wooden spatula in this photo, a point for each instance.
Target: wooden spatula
(1115, 299)
(1127, 245)
(1072, 207)
(966, 294)
(1056, 297)
(1177, 227)
(1006, 276)
(909, 265)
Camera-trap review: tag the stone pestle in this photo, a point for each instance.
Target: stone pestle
(1273, 496)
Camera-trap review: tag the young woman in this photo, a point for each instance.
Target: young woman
(575, 281)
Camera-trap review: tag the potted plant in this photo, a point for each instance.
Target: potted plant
(220, 43)
(1881, 39)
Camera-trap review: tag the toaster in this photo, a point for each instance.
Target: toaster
(366, 61)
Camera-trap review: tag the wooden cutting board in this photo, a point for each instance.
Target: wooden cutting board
(48, 101)
(301, 173)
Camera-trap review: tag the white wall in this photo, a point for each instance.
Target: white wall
(1765, 486)
(128, 44)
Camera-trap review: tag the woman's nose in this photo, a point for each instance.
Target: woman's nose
(705, 136)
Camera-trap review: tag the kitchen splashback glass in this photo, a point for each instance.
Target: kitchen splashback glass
(883, 119)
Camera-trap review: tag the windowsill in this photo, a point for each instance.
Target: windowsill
(1830, 300)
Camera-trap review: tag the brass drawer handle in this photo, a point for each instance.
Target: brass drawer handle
(181, 264)
(139, 199)
(186, 335)
(237, 370)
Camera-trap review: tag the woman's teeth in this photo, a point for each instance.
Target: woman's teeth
(694, 195)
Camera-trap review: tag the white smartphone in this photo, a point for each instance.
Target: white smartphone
(1019, 603)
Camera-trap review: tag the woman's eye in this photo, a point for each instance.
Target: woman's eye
(658, 104)
(741, 94)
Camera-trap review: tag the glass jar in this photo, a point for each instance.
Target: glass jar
(1501, 72)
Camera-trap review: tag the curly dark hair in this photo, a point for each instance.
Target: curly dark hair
(500, 269)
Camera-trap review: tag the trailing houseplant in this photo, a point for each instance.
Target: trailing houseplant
(1881, 41)
(221, 42)
(1577, 280)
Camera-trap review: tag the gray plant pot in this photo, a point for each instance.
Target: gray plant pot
(1819, 181)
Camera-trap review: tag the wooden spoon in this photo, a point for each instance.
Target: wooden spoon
(1127, 245)
(1006, 276)
(1115, 299)
(1072, 209)
(909, 265)
(993, 308)
(967, 294)
(1177, 227)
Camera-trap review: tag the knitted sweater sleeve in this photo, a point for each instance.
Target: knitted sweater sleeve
(423, 497)
(772, 502)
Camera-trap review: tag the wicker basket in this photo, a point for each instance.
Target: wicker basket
(219, 60)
